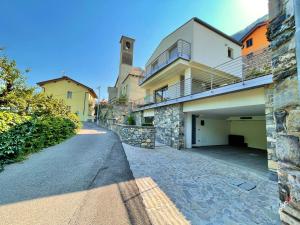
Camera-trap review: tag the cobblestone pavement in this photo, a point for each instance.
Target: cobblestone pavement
(207, 191)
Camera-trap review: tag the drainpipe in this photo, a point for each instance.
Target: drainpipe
(84, 102)
(297, 20)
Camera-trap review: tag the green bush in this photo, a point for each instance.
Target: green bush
(130, 120)
(22, 135)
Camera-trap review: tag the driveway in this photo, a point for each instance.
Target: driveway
(208, 191)
(84, 180)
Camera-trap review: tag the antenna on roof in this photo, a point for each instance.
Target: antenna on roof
(63, 73)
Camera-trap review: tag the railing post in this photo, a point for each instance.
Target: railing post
(211, 82)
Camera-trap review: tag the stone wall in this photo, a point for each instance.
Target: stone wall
(138, 117)
(271, 131)
(169, 124)
(286, 108)
(257, 63)
(139, 136)
(113, 114)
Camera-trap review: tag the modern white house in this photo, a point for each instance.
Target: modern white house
(198, 92)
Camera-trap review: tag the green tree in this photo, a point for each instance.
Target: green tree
(14, 93)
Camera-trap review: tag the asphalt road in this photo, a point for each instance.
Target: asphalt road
(84, 180)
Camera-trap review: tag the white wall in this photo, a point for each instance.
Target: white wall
(185, 32)
(214, 132)
(210, 48)
(188, 130)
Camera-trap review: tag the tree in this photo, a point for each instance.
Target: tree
(14, 93)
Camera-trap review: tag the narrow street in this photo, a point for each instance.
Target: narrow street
(84, 180)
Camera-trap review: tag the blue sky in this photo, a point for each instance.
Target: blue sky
(81, 37)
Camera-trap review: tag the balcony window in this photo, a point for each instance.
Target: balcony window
(161, 94)
(173, 52)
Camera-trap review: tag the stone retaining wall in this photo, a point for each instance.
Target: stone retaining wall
(138, 136)
(169, 124)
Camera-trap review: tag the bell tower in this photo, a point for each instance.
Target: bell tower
(126, 58)
(127, 44)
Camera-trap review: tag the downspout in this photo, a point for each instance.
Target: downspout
(84, 103)
(297, 21)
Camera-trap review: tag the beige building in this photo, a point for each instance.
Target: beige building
(127, 84)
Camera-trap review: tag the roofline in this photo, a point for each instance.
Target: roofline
(128, 75)
(196, 19)
(123, 36)
(201, 22)
(92, 92)
(253, 29)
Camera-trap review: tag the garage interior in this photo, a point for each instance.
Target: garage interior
(236, 135)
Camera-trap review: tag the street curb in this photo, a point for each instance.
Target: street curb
(159, 207)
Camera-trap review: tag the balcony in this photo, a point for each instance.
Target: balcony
(237, 74)
(179, 50)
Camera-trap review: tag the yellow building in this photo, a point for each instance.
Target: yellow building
(79, 98)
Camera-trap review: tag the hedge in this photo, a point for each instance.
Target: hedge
(22, 135)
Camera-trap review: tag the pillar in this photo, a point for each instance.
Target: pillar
(188, 81)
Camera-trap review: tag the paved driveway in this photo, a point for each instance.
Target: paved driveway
(83, 180)
(206, 190)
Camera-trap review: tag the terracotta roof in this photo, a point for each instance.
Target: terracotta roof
(91, 91)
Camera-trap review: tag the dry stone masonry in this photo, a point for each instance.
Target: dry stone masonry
(169, 124)
(138, 136)
(286, 106)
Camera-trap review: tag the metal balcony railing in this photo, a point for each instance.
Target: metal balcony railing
(180, 49)
(254, 65)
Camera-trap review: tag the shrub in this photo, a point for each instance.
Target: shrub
(21, 135)
(130, 120)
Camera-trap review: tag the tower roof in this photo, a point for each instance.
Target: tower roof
(125, 37)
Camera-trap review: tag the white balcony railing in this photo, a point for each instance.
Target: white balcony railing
(180, 49)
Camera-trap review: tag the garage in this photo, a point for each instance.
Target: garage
(230, 127)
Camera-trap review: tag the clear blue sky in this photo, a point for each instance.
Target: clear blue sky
(81, 37)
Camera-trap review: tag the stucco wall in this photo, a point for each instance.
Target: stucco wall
(214, 132)
(243, 98)
(80, 96)
(254, 132)
(210, 48)
(259, 38)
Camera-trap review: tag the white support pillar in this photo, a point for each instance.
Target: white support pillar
(188, 81)
(188, 130)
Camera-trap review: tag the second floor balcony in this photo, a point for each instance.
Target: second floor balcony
(180, 49)
(243, 72)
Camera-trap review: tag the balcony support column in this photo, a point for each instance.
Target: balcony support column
(188, 81)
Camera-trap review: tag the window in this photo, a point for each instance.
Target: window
(230, 53)
(155, 65)
(161, 94)
(249, 42)
(173, 52)
(69, 94)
